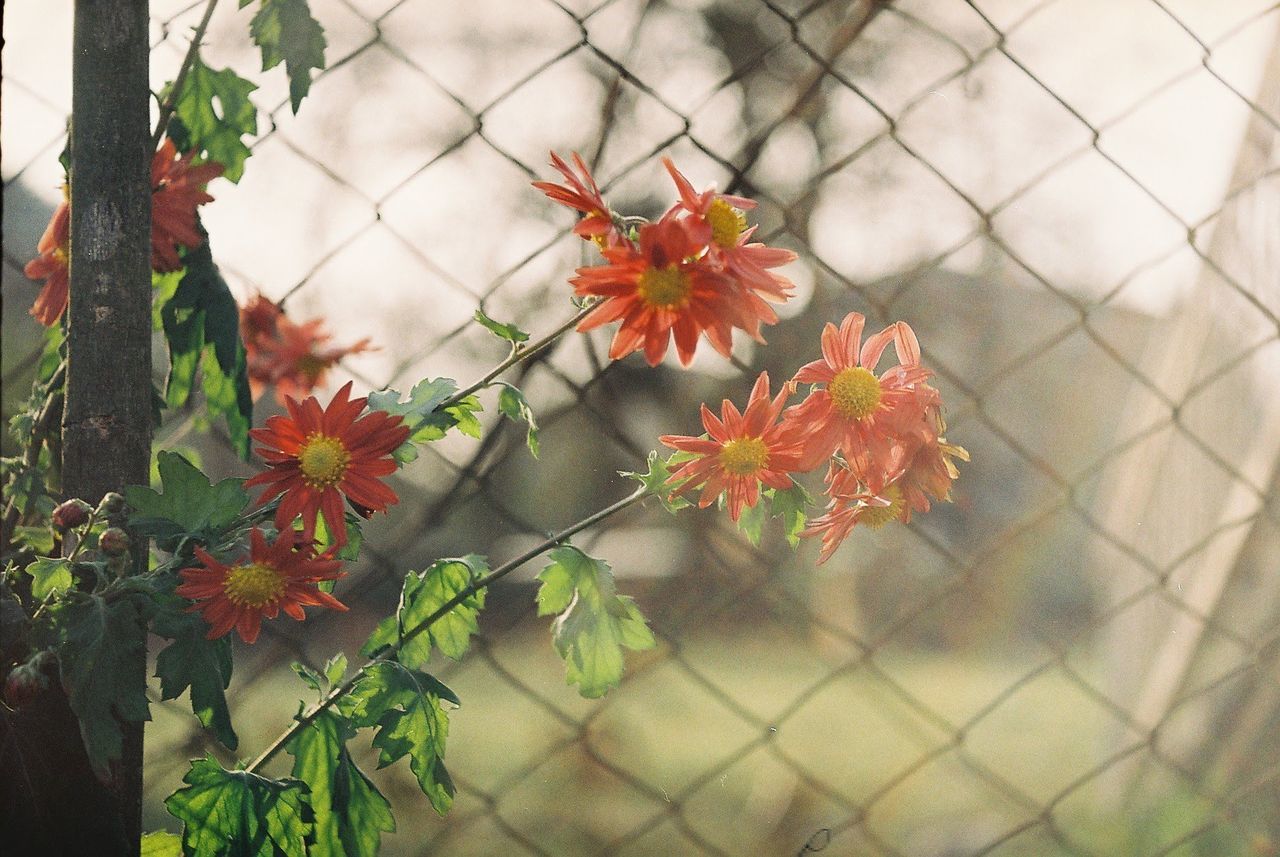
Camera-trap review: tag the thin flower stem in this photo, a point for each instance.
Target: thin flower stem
(42, 424)
(501, 571)
(518, 355)
(166, 108)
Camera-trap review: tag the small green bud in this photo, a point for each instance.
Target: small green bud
(111, 504)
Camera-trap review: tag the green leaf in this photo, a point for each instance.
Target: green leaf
(163, 287)
(405, 705)
(239, 814)
(335, 669)
(509, 332)
(189, 506)
(101, 643)
(463, 416)
(204, 666)
(312, 678)
(595, 623)
(654, 480)
(348, 552)
(513, 405)
(792, 506)
(203, 315)
(222, 393)
(217, 129)
(49, 574)
(423, 594)
(350, 813)
(751, 521)
(161, 844)
(39, 539)
(286, 32)
(419, 412)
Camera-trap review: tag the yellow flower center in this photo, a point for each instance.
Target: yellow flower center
(855, 392)
(255, 585)
(745, 456)
(664, 288)
(727, 223)
(876, 517)
(323, 460)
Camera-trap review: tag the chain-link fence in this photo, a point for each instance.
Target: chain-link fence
(1075, 203)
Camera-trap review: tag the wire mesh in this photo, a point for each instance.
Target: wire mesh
(1073, 202)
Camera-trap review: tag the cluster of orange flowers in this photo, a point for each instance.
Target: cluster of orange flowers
(881, 437)
(177, 189)
(292, 357)
(694, 271)
(316, 459)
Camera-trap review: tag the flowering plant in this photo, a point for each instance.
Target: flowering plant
(221, 560)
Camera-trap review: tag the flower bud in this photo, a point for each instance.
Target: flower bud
(26, 682)
(71, 514)
(114, 542)
(111, 504)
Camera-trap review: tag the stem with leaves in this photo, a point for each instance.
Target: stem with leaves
(497, 574)
(167, 107)
(45, 419)
(519, 353)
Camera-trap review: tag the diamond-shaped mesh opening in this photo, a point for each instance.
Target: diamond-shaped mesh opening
(1064, 733)
(771, 805)
(910, 817)
(1133, 48)
(534, 806)
(875, 738)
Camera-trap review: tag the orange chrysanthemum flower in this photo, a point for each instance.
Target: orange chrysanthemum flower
(867, 418)
(741, 451)
(926, 469)
(286, 355)
(177, 188)
(272, 578)
(51, 266)
(316, 457)
(665, 288)
(583, 195)
(720, 223)
(846, 511)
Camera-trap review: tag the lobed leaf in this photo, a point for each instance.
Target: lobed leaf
(654, 481)
(190, 504)
(161, 844)
(100, 643)
(286, 32)
(201, 322)
(427, 421)
(509, 332)
(215, 113)
(424, 593)
(514, 406)
(792, 506)
(594, 623)
(350, 813)
(194, 662)
(49, 575)
(406, 707)
(239, 814)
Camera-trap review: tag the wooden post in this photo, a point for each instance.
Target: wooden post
(106, 428)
